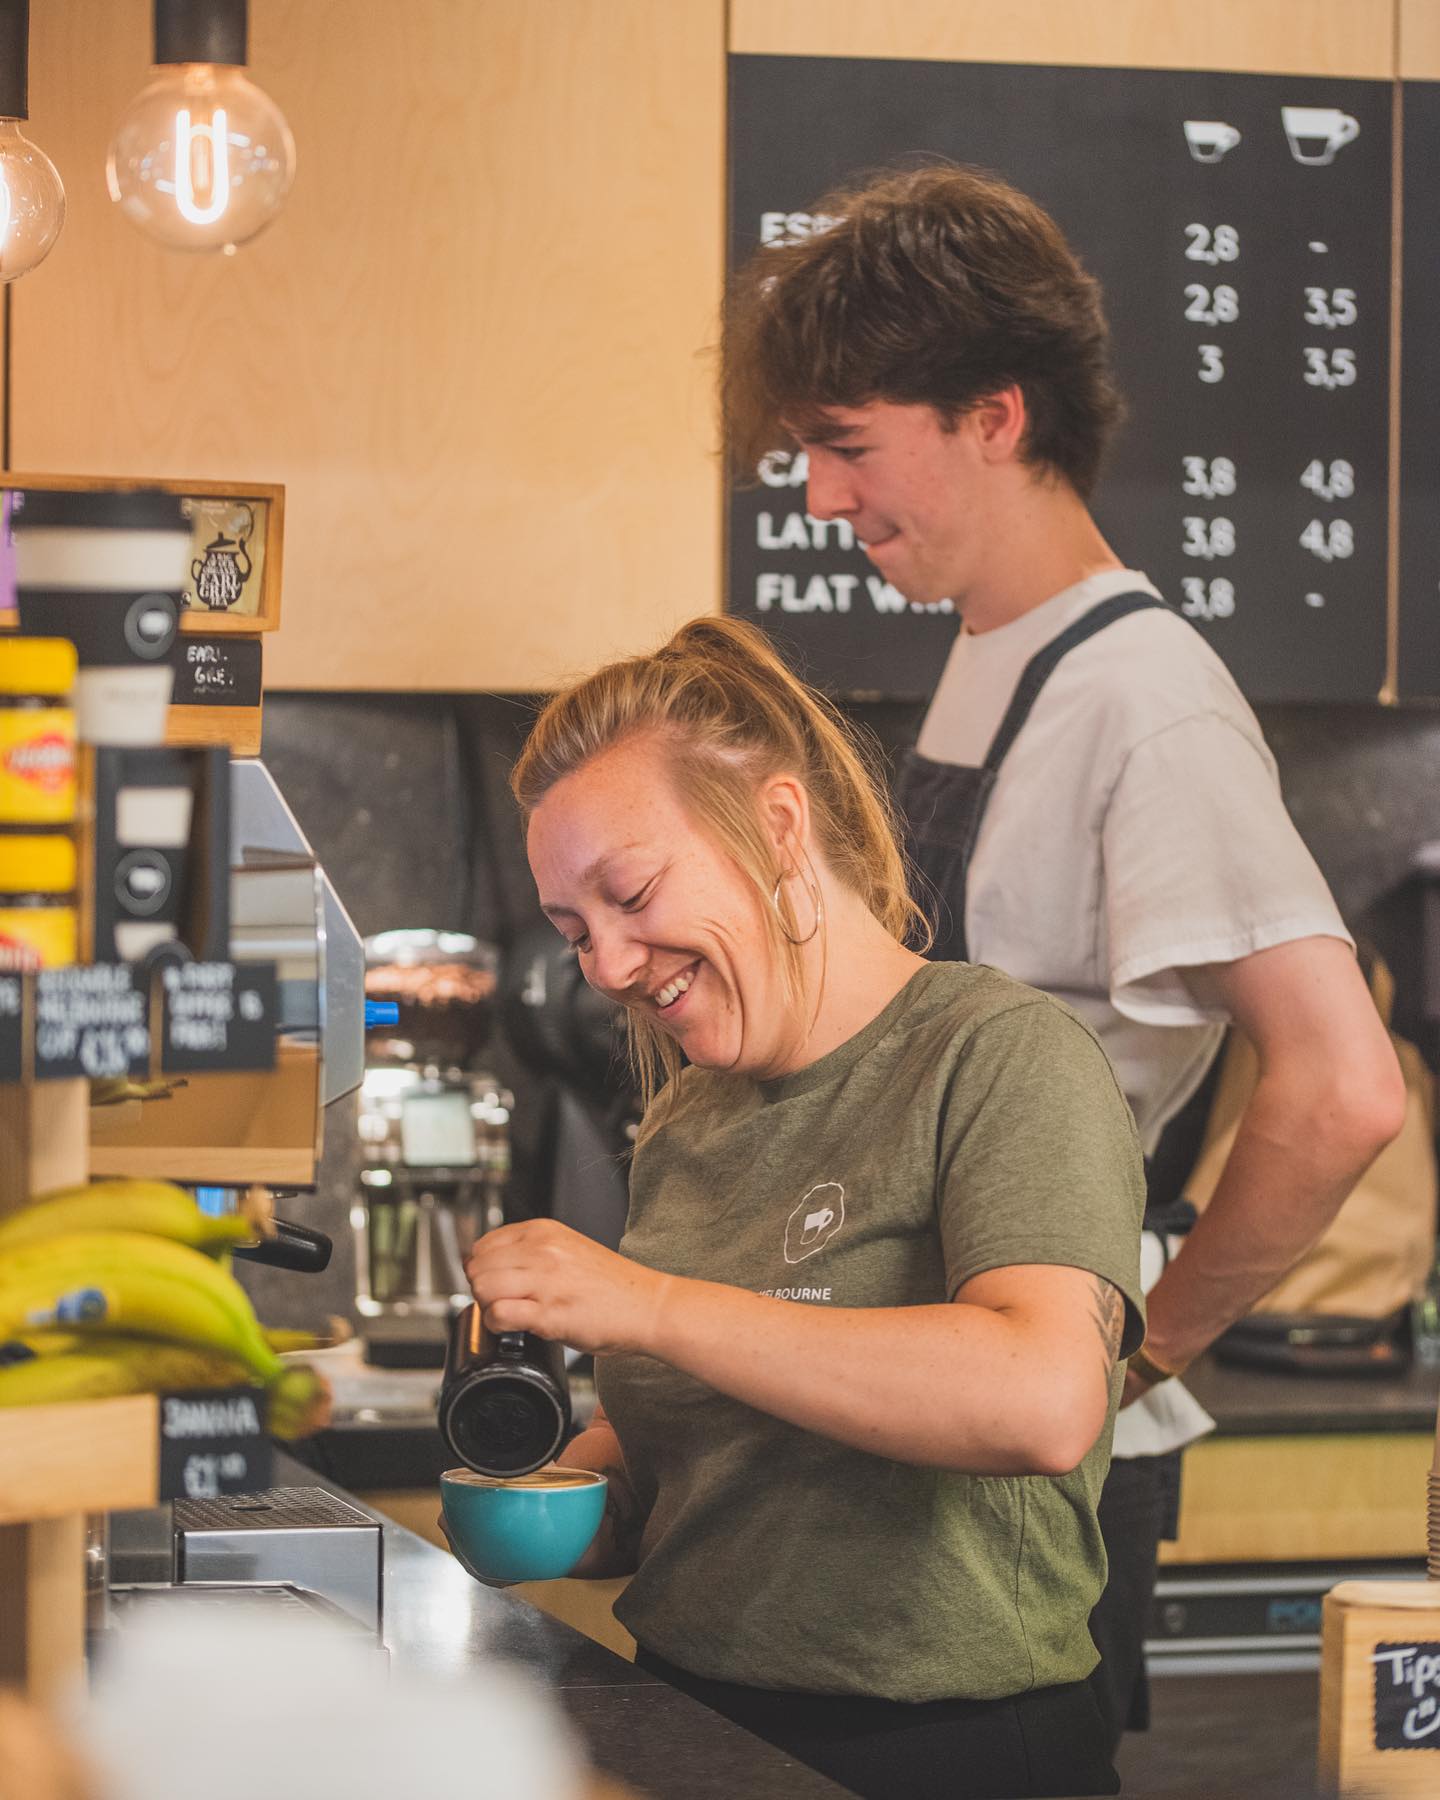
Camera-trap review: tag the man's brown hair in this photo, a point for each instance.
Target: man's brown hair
(936, 286)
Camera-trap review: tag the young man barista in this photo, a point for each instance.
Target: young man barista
(1091, 801)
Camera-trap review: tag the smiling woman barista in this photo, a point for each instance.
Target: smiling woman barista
(858, 1352)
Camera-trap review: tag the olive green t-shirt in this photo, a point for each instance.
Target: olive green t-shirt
(974, 1124)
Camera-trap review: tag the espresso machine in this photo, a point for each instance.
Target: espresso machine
(434, 1133)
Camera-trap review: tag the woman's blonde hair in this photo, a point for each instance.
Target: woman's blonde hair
(732, 716)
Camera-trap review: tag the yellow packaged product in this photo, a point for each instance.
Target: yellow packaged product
(37, 731)
(39, 921)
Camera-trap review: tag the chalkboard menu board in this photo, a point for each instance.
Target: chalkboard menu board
(1419, 659)
(1241, 228)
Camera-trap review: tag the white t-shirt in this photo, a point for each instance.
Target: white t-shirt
(1135, 830)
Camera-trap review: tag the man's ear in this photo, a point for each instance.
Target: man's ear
(785, 812)
(999, 422)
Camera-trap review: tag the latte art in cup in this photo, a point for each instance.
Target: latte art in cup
(541, 1478)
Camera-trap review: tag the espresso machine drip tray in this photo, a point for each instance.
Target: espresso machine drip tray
(303, 1535)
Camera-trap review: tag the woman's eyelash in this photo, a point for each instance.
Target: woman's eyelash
(636, 900)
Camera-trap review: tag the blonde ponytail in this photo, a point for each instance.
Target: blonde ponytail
(732, 715)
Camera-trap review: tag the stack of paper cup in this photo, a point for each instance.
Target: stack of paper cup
(107, 569)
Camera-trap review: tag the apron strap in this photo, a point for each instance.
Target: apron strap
(1042, 665)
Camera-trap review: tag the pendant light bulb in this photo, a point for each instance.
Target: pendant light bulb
(32, 197)
(202, 159)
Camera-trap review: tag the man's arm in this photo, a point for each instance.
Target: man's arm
(1329, 1098)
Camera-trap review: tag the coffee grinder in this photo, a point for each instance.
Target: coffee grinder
(434, 1142)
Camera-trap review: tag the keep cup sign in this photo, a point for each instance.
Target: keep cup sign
(1407, 1697)
(212, 1442)
(217, 1015)
(91, 1021)
(12, 1025)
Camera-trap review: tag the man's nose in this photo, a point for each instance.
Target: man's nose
(829, 491)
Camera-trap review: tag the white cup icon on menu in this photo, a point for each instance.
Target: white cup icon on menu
(1209, 139)
(1317, 132)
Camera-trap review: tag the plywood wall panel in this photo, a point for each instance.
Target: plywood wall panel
(469, 347)
(1419, 35)
(1296, 37)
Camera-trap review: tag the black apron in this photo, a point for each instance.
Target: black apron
(943, 806)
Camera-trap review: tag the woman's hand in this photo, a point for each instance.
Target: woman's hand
(543, 1277)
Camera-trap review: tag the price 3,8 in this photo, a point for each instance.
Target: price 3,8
(1208, 479)
(1207, 599)
(1208, 538)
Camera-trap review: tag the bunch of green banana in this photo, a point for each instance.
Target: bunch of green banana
(158, 1208)
(97, 1284)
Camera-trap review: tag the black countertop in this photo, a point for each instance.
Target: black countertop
(1254, 1402)
(645, 1733)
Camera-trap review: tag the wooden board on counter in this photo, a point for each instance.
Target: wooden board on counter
(1303, 1498)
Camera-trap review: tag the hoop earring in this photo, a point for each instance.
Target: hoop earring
(785, 930)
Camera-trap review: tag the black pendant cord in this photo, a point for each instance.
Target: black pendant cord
(6, 392)
(14, 59)
(202, 31)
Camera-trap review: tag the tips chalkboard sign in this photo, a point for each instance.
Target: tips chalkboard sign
(1407, 1697)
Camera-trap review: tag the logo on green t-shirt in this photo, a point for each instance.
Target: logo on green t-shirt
(814, 1221)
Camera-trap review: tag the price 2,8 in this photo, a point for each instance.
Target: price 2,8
(1218, 245)
(1222, 307)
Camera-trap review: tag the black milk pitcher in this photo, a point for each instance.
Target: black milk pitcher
(504, 1399)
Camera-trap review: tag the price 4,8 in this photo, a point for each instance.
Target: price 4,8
(1332, 542)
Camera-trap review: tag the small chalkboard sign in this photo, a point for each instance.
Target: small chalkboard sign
(217, 1015)
(1407, 1696)
(12, 1028)
(218, 671)
(212, 1442)
(92, 1020)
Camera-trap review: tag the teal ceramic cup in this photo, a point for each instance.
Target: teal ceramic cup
(533, 1529)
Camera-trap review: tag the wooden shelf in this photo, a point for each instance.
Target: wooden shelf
(85, 1456)
(58, 1463)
